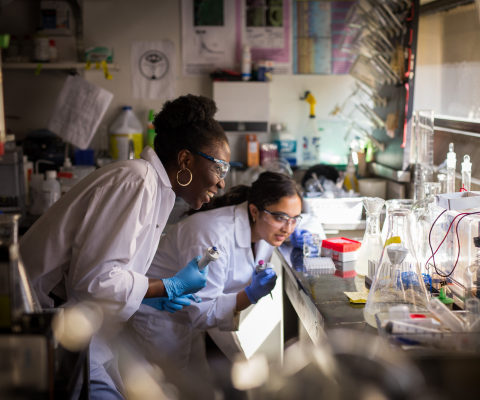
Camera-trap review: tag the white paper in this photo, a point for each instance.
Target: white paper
(208, 42)
(78, 111)
(153, 70)
(266, 26)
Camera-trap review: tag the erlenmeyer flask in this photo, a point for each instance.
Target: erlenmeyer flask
(398, 280)
(426, 213)
(372, 243)
(391, 204)
(17, 295)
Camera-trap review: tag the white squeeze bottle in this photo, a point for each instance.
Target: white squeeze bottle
(126, 136)
(246, 63)
(311, 135)
(50, 190)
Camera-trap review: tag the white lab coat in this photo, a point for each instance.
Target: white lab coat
(179, 337)
(101, 237)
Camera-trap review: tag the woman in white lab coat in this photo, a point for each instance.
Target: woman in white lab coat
(97, 242)
(245, 225)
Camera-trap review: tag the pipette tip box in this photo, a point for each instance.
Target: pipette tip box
(340, 249)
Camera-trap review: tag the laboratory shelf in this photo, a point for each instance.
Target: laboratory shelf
(56, 66)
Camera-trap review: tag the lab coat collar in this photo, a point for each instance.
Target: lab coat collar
(243, 234)
(148, 154)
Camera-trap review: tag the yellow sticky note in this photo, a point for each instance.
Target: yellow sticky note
(357, 297)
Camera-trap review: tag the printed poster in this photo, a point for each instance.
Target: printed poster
(318, 27)
(208, 36)
(153, 70)
(266, 26)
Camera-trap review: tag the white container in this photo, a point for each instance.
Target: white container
(126, 134)
(246, 63)
(50, 190)
(36, 206)
(373, 187)
(70, 174)
(335, 211)
(286, 142)
(41, 51)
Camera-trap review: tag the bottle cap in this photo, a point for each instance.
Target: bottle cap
(127, 107)
(261, 262)
(451, 157)
(51, 43)
(51, 174)
(466, 164)
(67, 163)
(214, 248)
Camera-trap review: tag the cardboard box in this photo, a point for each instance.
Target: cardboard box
(458, 201)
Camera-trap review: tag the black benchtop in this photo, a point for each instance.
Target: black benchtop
(327, 293)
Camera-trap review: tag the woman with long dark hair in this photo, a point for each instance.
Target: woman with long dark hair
(245, 225)
(96, 243)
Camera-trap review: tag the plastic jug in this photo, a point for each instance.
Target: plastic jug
(126, 136)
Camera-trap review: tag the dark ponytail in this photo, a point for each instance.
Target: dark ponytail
(268, 189)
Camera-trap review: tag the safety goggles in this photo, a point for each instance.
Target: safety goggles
(281, 220)
(220, 168)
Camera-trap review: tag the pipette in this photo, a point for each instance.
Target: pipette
(451, 166)
(466, 172)
(211, 254)
(262, 266)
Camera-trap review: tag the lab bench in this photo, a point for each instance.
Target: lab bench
(319, 304)
(319, 301)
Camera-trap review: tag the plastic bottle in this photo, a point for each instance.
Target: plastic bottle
(351, 182)
(126, 131)
(36, 196)
(210, 255)
(286, 142)
(466, 172)
(253, 151)
(151, 129)
(52, 51)
(451, 166)
(311, 135)
(50, 190)
(27, 173)
(41, 51)
(246, 63)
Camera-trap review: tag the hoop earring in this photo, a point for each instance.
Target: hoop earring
(188, 183)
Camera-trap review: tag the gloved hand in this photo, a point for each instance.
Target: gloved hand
(262, 284)
(187, 280)
(299, 237)
(163, 304)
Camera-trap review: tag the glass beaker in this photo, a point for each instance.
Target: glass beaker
(391, 204)
(372, 243)
(425, 213)
(398, 280)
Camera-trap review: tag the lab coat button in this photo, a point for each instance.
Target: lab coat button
(157, 225)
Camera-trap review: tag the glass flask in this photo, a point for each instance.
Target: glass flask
(425, 213)
(398, 280)
(372, 243)
(391, 204)
(17, 295)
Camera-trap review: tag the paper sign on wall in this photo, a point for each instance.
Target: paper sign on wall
(208, 36)
(78, 111)
(153, 70)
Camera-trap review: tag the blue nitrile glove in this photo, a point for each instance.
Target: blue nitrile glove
(163, 304)
(262, 284)
(187, 280)
(299, 236)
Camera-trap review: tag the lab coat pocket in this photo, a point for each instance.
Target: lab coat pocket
(167, 340)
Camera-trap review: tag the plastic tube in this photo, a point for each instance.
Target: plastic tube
(472, 306)
(446, 317)
(262, 266)
(211, 254)
(451, 166)
(397, 327)
(466, 172)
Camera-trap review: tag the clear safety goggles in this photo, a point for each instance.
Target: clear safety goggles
(281, 220)
(220, 168)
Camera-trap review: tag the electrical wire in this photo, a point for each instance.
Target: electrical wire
(463, 215)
